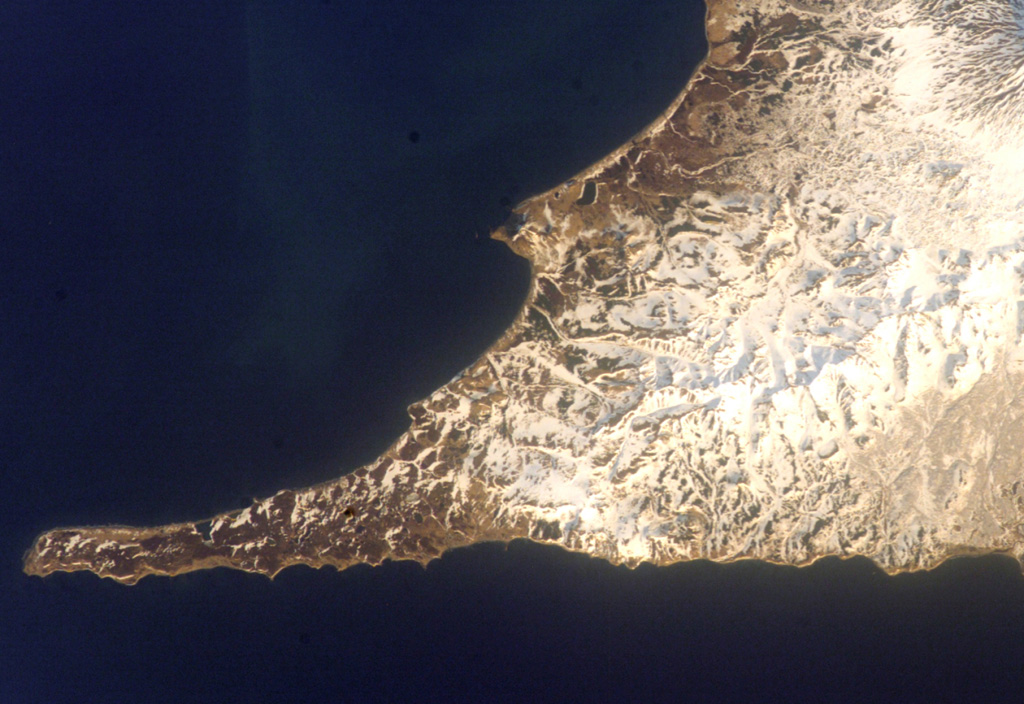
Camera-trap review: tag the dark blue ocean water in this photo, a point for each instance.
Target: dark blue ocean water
(236, 240)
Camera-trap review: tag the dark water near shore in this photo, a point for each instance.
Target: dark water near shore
(237, 239)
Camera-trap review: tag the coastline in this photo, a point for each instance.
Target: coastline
(364, 517)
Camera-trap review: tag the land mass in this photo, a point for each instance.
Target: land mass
(784, 322)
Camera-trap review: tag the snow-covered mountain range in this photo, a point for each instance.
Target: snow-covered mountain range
(784, 322)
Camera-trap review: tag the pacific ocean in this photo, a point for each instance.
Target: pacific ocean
(237, 240)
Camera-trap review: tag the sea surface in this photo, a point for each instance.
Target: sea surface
(237, 239)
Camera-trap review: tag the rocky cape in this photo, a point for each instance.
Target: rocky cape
(782, 323)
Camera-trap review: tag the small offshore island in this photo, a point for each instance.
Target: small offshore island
(785, 322)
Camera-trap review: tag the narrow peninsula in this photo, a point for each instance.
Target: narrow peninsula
(784, 322)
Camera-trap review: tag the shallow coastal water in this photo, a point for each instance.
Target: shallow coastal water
(239, 241)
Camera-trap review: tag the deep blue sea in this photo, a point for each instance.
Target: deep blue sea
(237, 239)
